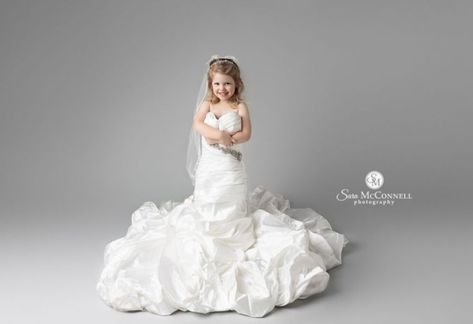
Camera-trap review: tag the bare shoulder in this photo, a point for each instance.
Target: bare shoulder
(202, 111)
(243, 108)
(204, 107)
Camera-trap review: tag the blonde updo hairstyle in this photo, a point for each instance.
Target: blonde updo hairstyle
(228, 67)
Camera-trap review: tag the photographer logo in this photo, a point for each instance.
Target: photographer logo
(374, 180)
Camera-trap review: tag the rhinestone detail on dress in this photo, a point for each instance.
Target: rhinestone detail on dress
(235, 153)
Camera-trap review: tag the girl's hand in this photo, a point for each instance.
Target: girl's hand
(234, 140)
(225, 138)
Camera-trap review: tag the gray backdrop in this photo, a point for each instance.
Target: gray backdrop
(96, 105)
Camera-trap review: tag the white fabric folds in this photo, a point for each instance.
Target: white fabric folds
(220, 249)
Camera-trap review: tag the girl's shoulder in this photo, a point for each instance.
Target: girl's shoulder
(242, 106)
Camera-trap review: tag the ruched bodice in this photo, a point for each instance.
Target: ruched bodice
(229, 121)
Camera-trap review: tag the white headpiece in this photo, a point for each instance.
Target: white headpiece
(194, 149)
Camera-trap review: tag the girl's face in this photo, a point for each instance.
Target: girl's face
(223, 86)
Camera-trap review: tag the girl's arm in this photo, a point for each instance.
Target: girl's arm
(211, 141)
(245, 133)
(205, 130)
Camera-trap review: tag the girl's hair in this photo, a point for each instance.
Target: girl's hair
(230, 68)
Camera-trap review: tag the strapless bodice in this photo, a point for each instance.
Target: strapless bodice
(230, 121)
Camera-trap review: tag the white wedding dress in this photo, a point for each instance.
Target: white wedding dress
(220, 249)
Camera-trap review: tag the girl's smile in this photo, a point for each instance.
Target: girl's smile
(223, 86)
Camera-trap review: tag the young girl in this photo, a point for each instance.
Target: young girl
(221, 248)
(225, 98)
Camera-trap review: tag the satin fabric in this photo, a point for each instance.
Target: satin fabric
(220, 249)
